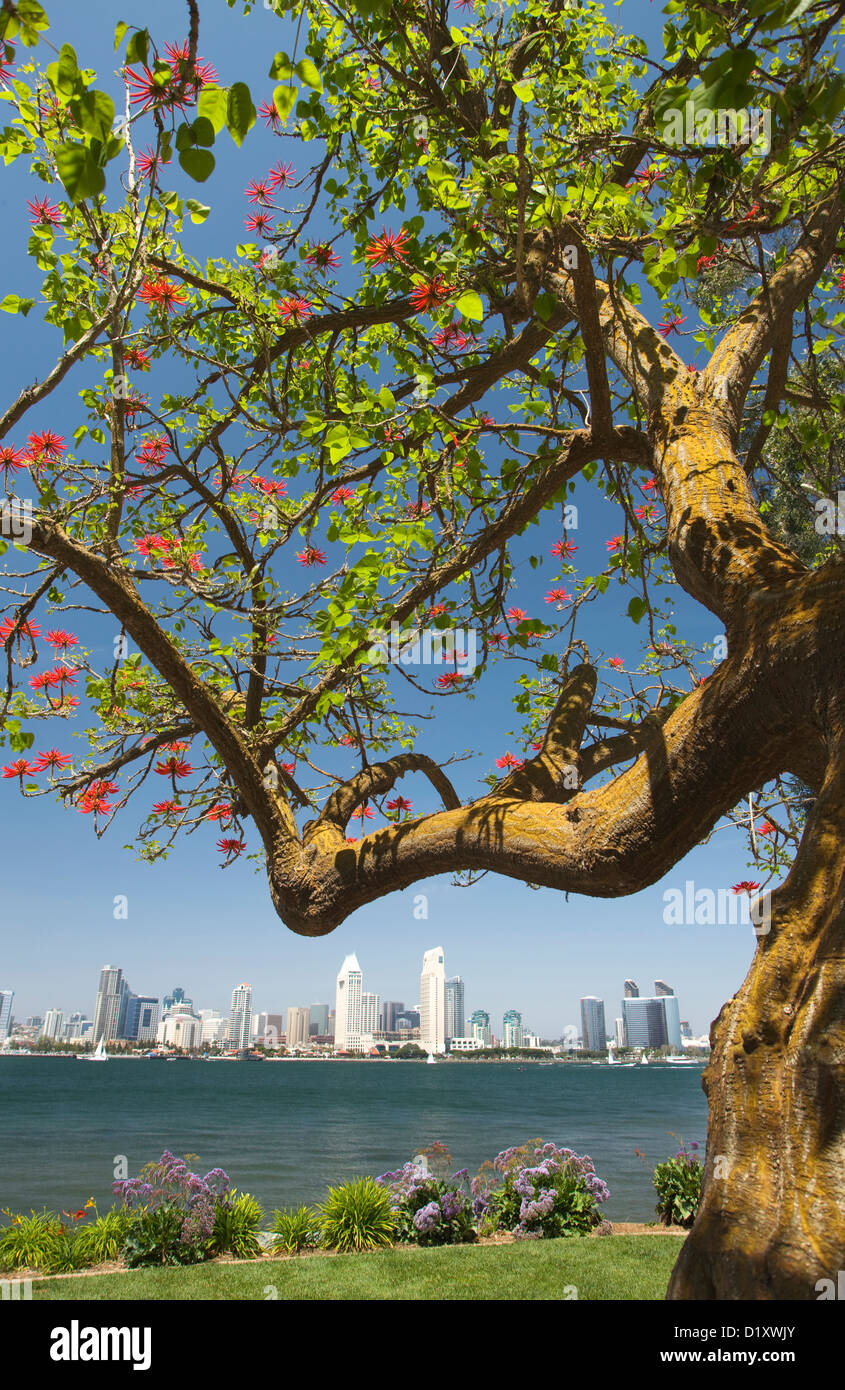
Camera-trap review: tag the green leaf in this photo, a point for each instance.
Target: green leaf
(199, 212)
(284, 99)
(79, 172)
(281, 67)
(95, 113)
(636, 609)
(307, 72)
(470, 306)
(213, 106)
(118, 34)
(524, 91)
(137, 48)
(240, 112)
(169, 199)
(198, 163)
(13, 304)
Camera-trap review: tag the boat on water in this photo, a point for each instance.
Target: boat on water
(683, 1061)
(643, 1061)
(98, 1055)
(430, 1060)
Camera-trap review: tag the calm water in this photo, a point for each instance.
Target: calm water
(285, 1130)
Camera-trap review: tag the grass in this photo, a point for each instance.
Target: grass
(612, 1268)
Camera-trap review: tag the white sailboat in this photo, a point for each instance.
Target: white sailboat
(430, 1060)
(98, 1055)
(643, 1061)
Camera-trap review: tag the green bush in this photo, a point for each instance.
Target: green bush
(104, 1239)
(236, 1223)
(155, 1238)
(356, 1216)
(294, 1229)
(678, 1186)
(38, 1241)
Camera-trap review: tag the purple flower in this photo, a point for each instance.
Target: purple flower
(426, 1218)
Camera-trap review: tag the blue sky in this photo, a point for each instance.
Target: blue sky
(190, 924)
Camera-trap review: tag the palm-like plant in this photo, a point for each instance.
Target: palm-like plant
(357, 1216)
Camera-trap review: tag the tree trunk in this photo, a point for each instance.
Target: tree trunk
(771, 1223)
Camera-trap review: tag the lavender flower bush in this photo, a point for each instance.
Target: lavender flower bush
(538, 1190)
(430, 1209)
(174, 1212)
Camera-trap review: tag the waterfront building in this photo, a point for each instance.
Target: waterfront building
(480, 1027)
(143, 1014)
(177, 1002)
(632, 989)
(593, 1028)
(454, 1007)
(370, 1014)
(214, 1028)
(112, 1002)
(318, 1022)
(512, 1030)
(53, 1025)
(653, 1022)
(240, 1017)
(296, 1033)
(348, 1002)
(6, 1000)
(619, 1032)
(390, 1011)
(662, 990)
(466, 1045)
(433, 1001)
(180, 1030)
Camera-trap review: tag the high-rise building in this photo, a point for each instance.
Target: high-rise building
(370, 1013)
(480, 1026)
(240, 1017)
(296, 1033)
(433, 1001)
(6, 1000)
(686, 1031)
(214, 1028)
(390, 1011)
(53, 1025)
(409, 1019)
(454, 1008)
(652, 1022)
(112, 1002)
(180, 1030)
(177, 1002)
(662, 990)
(318, 1025)
(347, 1026)
(632, 989)
(267, 1029)
(143, 1014)
(512, 1030)
(619, 1032)
(593, 1029)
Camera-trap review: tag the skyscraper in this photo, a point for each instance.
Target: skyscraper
(296, 1033)
(112, 1001)
(142, 1018)
(433, 1001)
(53, 1025)
(177, 1002)
(662, 990)
(6, 999)
(347, 1024)
(318, 1023)
(370, 1012)
(512, 1029)
(240, 1017)
(652, 1022)
(632, 989)
(593, 1029)
(480, 1026)
(454, 1008)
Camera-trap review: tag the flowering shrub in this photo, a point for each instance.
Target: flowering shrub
(538, 1190)
(677, 1183)
(175, 1212)
(430, 1209)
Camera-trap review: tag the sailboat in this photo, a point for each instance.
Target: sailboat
(430, 1060)
(643, 1061)
(98, 1055)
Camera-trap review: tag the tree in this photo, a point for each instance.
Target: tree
(541, 182)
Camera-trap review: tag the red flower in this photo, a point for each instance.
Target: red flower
(259, 222)
(294, 309)
(151, 545)
(450, 680)
(8, 626)
(60, 639)
(153, 451)
(645, 513)
(311, 556)
(430, 294)
(11, 461)
(271, 488)
(363, 812)
(650, 485)
(138, 358)
(508, 760)
(231, 846)
(281, 176)
(166, 808)
(173, 767)
(614, 543)
(616, 662)
(436, 609)
(498, 639)
(342, 495)
(161, 294)
(47, 446)
(44, 213)
(198, 74)
(452, 336)
(399, 803)
(647, 177)
(19, 769)
(52, 759)
(766, 828)
(271, 117)
(565, 549)
(149, 162)
(61, 675)
(704, 263)
(387, 248)
(322, 256)
(516, 615)
(670, 324)
(257, 191)
(557, 596)
(222, 810)
(746, 886)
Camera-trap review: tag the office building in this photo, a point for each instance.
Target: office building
(480, 1027)
(619, 1032)
(296, 1033)
(348, 1001)
(6, 1000)
(180, 1030)
(53, 1025)
(593, 1028)
(112, 1002)
(652, 1022)
(662, 990)
(466, 1045)
(143, 1015)
(370, 1014)
(318, 1024)
(512, 1030)
(177, 1002)
(240, 1017)
(454, 1008)
(632, 989)
(390, 1011)
(433, 1001)
(214, 1029)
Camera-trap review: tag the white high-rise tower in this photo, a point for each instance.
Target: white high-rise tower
(240, 1017)
(433, 1002)
(347, 1025)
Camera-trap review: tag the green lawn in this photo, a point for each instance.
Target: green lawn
(617, 1267)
